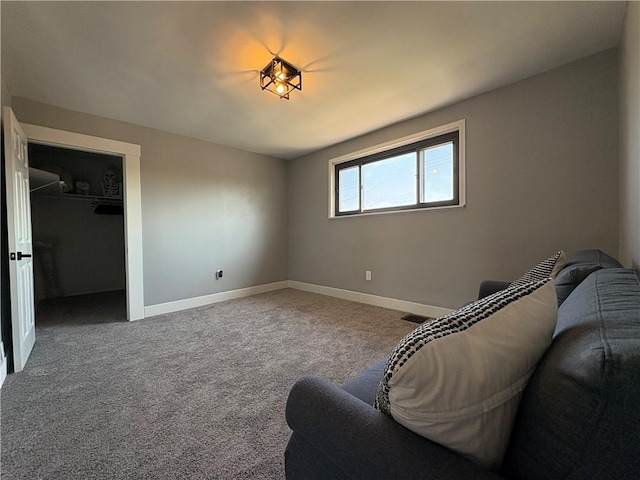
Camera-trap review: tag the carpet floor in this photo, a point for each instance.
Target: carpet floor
(197, 394)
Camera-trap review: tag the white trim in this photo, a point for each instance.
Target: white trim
(132, 200)
(399, 142)
(89, 143)
(408, 210)
(385, 302)
(462, 163)
(3, 364)
(178, 305)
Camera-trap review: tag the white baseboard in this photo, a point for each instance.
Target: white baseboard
(3, 365)
(386, 302)
(169, 307)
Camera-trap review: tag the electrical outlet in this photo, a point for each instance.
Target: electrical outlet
(218, 274)
(367, 275)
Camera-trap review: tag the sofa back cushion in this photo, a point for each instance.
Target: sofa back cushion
(579, 417)
(579, 266)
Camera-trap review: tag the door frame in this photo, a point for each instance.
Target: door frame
(130, 154)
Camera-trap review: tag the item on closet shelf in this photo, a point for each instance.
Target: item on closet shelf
(110, 185)
(82, 188)
(66, 177)
(67, 180)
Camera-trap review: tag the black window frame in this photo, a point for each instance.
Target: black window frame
(453, 137)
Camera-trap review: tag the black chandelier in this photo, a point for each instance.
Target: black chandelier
(280, 77)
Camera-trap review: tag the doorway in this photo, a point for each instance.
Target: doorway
(131, 197)
(77, 226)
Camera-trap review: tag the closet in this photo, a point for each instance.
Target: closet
(77, 222)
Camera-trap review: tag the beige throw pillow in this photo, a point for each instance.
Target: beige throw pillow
(458, 379)
(548, 268)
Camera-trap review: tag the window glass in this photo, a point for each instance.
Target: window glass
(349, 188)
(390, 182)
(437, 173)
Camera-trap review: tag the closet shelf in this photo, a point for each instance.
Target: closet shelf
(89, 198)
(48, 185)
(45, 183)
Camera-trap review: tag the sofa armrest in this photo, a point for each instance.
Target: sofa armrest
(489, 287)
(364, 443)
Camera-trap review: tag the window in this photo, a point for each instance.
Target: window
(423, 171)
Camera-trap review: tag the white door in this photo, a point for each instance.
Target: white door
(23, 325)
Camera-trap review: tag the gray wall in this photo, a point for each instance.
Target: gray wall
(6, 96)
(541, 176)
(204, 207)
(630, 137)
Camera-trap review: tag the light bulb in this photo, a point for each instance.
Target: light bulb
(280, 88)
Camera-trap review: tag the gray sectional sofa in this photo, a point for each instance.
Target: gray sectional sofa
(579, 417)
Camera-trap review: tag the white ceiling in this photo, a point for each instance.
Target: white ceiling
(192, 67)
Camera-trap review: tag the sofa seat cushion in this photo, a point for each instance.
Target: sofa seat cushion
(457, 380)
(365, 384)
(579, 417)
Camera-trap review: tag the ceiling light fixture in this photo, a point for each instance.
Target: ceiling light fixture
(280, 77)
